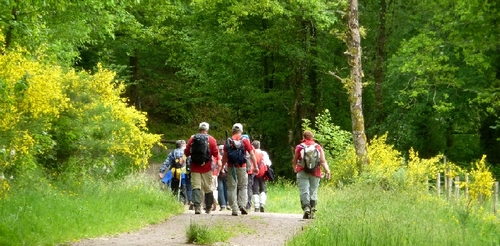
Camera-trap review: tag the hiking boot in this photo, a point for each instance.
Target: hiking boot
(191, 206)
(243, 210)
(228, 208)
(313, 211)
(256, 210)
(234, 213)
(307, 213)
(207, 211)
(222, 208)
(214, 207)
(197, 210)
(262, 209)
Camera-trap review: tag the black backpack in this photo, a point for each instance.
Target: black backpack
(235, 152)
(200, 152)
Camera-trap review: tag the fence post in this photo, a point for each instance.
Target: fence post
(466, 186)
(438, 184)
(445, 176)
(450, 188)
(457, 188)
(495, 207)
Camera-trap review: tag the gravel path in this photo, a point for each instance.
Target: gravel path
(269, 229)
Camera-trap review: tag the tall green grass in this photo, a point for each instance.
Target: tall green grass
(48, 214)
(361, 215)
(283, 196)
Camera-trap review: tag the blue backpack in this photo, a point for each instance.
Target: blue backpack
(235, 152)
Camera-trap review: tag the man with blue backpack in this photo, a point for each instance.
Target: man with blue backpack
(235, 150)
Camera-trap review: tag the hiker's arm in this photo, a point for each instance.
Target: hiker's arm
(219, 165)
(165, 165)
(294, 161)
(213, 147)
(255, 167)
(324, 164)
(224, 158)
(187, 150)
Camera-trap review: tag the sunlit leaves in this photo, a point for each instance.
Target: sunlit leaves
(48, 111)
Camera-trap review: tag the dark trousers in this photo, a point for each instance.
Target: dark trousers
(250, 185)
(222, 190)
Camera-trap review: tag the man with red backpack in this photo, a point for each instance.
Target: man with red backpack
(202, 148)
(306, 164)
(234, 156)
(259, 182)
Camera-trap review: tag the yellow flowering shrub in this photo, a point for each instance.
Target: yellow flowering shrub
(4, 188)
(481, 180)
(385, 161)
(419, 171)
(61, 120)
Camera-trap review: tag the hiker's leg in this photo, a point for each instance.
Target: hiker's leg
(196, 184)
(231, 193)
(241, 172)
(220, 191)
(206, 182)
(209, 200)
(175, 186)
(224, 188)
(262, 192)
(255, 193)
(314, 184)
(249, 190)
(303, 183)
(189, 189)
(214, 189)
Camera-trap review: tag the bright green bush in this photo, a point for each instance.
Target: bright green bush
(66, 122)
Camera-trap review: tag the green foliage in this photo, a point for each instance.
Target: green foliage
(283, 197)
(362, 215)
(54, 213)
(67, 122)
(337, 145)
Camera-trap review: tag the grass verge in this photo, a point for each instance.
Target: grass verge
(49, 214)
(283, 197)
(366, 216)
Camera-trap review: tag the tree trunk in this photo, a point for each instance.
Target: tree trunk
(10, 29)
(312, 73)
(355, 86)
(132, 89)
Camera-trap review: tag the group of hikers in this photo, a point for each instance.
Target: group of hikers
(234, 174)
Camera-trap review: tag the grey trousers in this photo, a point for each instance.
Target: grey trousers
(308, 187)
(237, 190)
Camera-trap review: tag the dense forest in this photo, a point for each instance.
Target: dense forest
(431, 69)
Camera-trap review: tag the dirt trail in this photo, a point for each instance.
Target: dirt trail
(268, 229)
(256, 229)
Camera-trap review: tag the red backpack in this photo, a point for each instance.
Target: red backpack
(260, 163)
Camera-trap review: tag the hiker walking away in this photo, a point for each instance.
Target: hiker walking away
(251, 176)
(237, 181)
(176, 163)
(202, 147)
(222, 183)
(259, 182)
(306, 161)
(216, 168)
